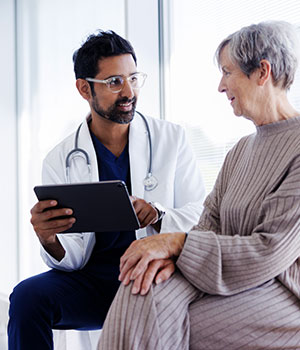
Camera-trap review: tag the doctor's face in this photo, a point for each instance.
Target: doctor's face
(118, 107)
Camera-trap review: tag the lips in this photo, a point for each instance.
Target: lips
(231, 99)
(125, 106)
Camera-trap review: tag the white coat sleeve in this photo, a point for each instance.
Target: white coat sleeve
(189, 191)
(78, 246)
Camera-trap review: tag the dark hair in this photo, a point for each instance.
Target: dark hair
(99, 45)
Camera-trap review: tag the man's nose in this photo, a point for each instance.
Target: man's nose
(127, 90)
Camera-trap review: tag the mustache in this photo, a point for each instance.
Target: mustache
(126, 100)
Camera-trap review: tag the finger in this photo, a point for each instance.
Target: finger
(128, 252)
(140, 267)
(44, 232)
(165, 273)
(126, 279)
(40, 206)
(128, 263)
(133, 199)
(148, 220)
(136, 287)
(38, 219)
(137, 204)
(55, 224)
(149, 276)
(51, 214)
(147, 214)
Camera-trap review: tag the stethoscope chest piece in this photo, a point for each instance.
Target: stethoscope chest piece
(150, 182)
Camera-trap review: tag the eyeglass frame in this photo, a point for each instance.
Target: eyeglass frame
(108, 80)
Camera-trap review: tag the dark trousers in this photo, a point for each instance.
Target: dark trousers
(57, 300)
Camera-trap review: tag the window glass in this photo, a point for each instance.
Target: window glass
(195, 30)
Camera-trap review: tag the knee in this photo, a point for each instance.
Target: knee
(25, 297)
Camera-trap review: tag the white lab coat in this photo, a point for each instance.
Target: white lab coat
(180, 187)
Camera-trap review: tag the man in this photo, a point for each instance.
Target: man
(79, 289)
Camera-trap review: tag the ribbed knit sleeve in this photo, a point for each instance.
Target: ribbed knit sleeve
(249, 231)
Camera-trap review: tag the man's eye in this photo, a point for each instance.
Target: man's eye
(133, 78)
(115, 81)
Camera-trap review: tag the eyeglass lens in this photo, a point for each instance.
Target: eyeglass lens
(116, 83)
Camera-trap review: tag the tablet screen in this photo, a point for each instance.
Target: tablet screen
(98, 206)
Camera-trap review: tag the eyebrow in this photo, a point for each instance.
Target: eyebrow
(120, 75)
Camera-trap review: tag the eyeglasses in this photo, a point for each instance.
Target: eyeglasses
(116, 83)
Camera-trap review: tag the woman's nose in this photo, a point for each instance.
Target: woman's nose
(221, 87)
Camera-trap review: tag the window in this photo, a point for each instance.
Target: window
(192, 31)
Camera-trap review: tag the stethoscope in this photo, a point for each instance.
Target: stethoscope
(150, 182)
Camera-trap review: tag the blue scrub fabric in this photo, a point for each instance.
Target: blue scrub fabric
(77, 299)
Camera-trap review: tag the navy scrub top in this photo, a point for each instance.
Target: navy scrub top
(110, 246)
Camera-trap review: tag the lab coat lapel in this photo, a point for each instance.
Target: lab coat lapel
(138, 155)
(85, 142)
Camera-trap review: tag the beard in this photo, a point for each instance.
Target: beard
(113, 113)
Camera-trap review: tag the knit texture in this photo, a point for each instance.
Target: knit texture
(239, 282)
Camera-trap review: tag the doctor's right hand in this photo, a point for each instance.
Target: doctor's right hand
(145, 212)
(46, 226)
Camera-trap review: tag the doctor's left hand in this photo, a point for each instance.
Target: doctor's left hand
(145, 212)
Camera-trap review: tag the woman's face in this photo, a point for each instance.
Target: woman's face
(241, 90)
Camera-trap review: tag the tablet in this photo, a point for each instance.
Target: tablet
(98, 206)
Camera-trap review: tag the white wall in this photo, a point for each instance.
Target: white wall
(8, 140)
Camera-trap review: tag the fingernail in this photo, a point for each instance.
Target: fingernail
(134, 290)
(143, 291)
(158, 281)
(53, 203)
(68, 211)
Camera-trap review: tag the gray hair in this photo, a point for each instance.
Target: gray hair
(275, 41)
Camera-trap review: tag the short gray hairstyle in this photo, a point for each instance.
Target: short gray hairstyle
(275, 41)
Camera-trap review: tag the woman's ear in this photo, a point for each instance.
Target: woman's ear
(84, 88)
(264, 72)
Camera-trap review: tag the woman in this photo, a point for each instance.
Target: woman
(238, 285)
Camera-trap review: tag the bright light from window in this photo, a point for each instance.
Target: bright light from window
(196, 29)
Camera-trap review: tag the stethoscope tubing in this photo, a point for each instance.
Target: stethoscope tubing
(150, 182)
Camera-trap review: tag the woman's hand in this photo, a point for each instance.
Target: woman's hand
(136, 262)
(157, 272)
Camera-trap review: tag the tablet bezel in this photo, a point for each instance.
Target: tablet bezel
(88, 200)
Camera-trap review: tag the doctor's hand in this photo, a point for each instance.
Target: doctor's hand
(157, 272)
(46, 226)
(145, 212)
(141, 255)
